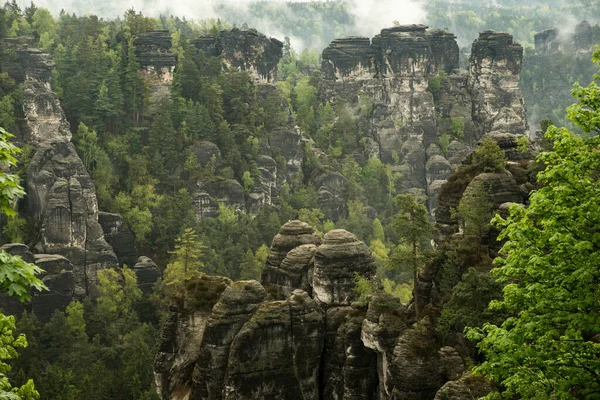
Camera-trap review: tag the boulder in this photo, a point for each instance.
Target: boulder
(338, 261)
(291, 235)
(119, 237)
(147, 273)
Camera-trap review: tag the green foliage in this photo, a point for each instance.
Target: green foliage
(457, 127)
(9, 183)
(489, 156)
(444, 143)
(475, 210)
(414, 229)
(365, 288)
(17, 277)
(468, 304)
(15, 229)
(403, 291)
(523, 143)
(186, 260)
(546, 349)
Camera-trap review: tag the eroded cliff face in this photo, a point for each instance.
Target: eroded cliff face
(410, 75)
(244, 50)
(61, 196)
(246, 340)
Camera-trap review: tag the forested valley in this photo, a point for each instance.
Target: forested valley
(300, 200)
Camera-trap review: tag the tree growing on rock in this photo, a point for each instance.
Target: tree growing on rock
(186, 260)
(489, 156)
(414, 229)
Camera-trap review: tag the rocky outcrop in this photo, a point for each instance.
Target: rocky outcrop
(147, 273)
(61, 196)
(290, 262)
(468, 387)
(208, 195)
(157, 63)
(225, 340)
(244, 50)
(236, 340)
(58, 276)
(338, 261)
(119, 237)
(553, 40)
(420, 99)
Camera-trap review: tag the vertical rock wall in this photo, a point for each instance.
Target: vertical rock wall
(60, 193)
(411, 76)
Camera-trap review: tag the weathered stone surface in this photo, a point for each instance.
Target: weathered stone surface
(209, 194)
(384, 322)
(182, 336)
(277, 278)
(153, 50)
(332, 197)
(147, 273)
(19, 249)
(60, 280)
(494, 73)
(337, 261)
(235, 307)
(119, 237)
(419, 367)
(245, 50)
(415, 105)
(206, 151)
(277, 352)
(349, 367)
(294, 272)
(468, 387)
(61, 196)
(157, 64)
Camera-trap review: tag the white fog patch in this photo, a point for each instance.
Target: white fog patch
(372, 15)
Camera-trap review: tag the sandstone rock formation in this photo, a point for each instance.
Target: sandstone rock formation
(119, 237)
(61, 196)
(244, 50)
(225, 340)
(58, 276)
(553, 40)
(337, 262)
(290, 262)
(236, 340)
(410, 74)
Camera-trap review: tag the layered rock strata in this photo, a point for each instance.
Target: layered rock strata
(427, 115)
(236, 340)
(244, 50)
(61, 197)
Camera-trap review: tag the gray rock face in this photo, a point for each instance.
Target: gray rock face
(61, 196)
(278, 277)
(337, 260)
(60, 193)
(245, 50)
(208, 195)
(157, 62)
(410, 75)
(119, 237)
(468, 387)
(225, 340)
(58, 276)
(147, 273)
(419, 368)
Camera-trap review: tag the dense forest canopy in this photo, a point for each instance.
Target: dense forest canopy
(201, 137)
